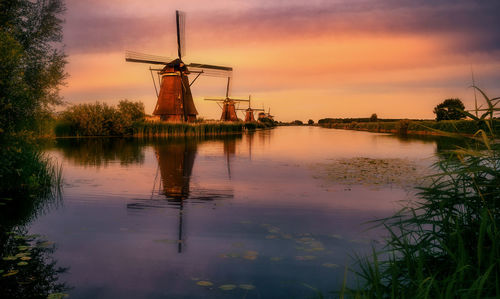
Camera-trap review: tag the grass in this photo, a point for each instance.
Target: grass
(419, 127)
(29, 184)
(447, 244)
(150, 129)
(28, 179)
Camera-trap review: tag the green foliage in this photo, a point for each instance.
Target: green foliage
(28, 178)
(310, 122)
(446, 245)
(31, 61)
(131, 110)
(450, 109)
(374, 117)
(100, 119)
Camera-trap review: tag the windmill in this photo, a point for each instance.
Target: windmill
(175, 101)
(266, 115)
(249, 117)
(227, 105)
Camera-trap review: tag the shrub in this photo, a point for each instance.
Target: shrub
(450, 109)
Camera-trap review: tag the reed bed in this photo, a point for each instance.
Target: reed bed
(148, 129)
(447, 243)
(417, 127)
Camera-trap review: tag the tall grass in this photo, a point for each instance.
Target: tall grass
(148, 129)
(447, 244)
(28, 180)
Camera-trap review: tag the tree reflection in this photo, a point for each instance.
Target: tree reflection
(99, 152)
(29, 187)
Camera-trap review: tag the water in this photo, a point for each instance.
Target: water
(155, 219)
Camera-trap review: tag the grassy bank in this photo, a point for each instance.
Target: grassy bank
(149, 129)
(197, 129)
(445, 244)
(416, 127)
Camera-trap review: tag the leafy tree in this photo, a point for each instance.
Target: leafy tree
(374, 117)
(134, 110)
(31, 61)
(310, 122)
(450, 109)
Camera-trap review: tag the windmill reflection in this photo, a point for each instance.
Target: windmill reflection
(176, 159)
(175, 162)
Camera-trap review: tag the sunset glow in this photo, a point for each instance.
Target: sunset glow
(303, 59)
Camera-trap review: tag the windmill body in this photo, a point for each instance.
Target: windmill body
(228, 105)
(175, 101)
(249, 116)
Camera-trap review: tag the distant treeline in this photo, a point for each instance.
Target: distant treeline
(420, 127)
(357, 120)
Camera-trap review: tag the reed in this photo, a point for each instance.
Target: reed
(447, 244)
(149, 129)
(28, 180)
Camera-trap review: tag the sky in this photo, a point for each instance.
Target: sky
(302, 59)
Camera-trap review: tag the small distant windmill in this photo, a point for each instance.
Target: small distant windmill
(175, 101)
(249, 117)
(227, 105)
(266, 115)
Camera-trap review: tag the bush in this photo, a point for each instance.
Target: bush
(450, 109)
(99, 119)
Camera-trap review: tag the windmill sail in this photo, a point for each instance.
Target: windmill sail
(180, 18)
(131, 56)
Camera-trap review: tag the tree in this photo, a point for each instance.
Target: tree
(31, 61)
(310, 122)
(450, 109)
(132, 110)
(374, 117)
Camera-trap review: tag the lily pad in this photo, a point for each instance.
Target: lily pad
(275, 258)
(25, 258)
(250, 257)
(22, 263)
(204, 283)
(271, 237)
(227, 287)
(246, 286)
(305, 257)
(10, 258)
(22, 248)
(10, 273)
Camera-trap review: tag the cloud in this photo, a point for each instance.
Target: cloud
(474, 25)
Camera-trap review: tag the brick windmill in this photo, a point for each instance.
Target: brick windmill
(228, 105)
(249, 116)
(175, 101)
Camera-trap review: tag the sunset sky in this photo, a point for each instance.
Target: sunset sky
(303, 59)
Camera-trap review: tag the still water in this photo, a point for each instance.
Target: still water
(246, 216)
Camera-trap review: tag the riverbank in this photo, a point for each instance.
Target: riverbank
(415, 127)
(156, 129)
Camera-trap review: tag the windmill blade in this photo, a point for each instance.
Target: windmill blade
(228, 87)
(180, 18)
(131, 56)
(210, 67)
(211, 72)
(217, 100)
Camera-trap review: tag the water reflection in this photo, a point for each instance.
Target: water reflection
(27, 266)
(97, 152)
(153, 218)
